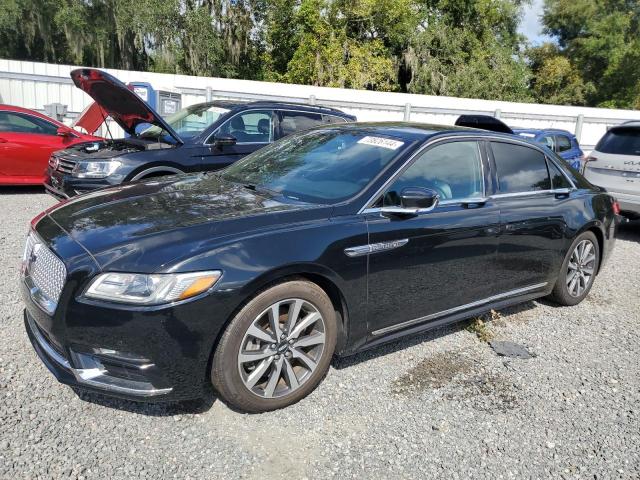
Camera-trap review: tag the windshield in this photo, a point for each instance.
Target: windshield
(320, 166)
(189, 121)
(621, 141)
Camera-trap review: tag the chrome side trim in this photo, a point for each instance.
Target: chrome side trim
(478, 303)
(559, 191)
(374, 248)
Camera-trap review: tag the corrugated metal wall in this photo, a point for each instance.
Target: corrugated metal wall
(33, 85)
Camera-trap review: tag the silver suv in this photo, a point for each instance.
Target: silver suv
(615, 165)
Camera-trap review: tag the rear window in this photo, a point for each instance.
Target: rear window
(620, 141)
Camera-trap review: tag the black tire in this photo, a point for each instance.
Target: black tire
(225, 370)
(560, 293)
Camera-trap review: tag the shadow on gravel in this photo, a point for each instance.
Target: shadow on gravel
(21, 190)
(630, 231)
(159, 409)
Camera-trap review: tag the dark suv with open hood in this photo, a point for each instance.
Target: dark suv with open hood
(201, 137)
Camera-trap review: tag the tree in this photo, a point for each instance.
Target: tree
(601, 40)
(555, 79)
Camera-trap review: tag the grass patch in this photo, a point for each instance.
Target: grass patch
(480, 327)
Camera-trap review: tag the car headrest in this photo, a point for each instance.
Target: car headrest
(237, 123)
(264, 125)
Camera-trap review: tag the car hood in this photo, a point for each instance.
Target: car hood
(142, 226)
(121, 104)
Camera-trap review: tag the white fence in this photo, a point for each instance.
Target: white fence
(33, 85)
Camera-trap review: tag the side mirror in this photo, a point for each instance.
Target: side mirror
(413, 201)
(222, 140)
(64, 132)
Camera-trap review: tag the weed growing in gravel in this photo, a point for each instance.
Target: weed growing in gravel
(479, 325)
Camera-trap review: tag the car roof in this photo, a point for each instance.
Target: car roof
(35, 113)
(410, 131)
(243, 105)
(538, 131)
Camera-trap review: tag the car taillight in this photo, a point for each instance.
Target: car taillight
(616, 207)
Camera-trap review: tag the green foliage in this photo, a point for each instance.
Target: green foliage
(462, 48)
(596, 62)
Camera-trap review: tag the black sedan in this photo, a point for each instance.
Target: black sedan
(328, 242)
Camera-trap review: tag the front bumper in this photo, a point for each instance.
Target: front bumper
(63, 185)
(94, 373)
(152, 355)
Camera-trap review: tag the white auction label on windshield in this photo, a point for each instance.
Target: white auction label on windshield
(381, 142)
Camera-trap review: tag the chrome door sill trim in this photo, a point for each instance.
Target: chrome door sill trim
(478, 303)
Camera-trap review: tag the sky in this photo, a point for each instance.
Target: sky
(530, 25)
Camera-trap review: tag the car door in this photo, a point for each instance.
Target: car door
(291, 121)
(533, 225)
(251, 130)
(26, 142)
(436, 261)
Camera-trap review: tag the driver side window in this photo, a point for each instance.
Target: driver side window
(453, 170)
(255, 126)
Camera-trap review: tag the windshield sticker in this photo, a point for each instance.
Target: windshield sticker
(381, 142)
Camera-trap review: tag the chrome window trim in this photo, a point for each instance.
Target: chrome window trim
(366, 208)
(460, 308)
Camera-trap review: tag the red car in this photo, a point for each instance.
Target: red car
(27, 139)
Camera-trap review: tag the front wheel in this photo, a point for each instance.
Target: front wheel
(578, 270)
(277, 349)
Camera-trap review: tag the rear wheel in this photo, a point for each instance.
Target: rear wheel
(578, 270)
(277, 349)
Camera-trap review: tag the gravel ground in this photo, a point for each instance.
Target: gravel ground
(442, 404)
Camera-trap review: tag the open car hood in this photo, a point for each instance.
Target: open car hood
(121, 104)
(91, 118)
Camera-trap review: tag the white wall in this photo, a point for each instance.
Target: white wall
(33, 85)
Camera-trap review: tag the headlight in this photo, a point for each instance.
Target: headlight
(154, 289)
(100, 169)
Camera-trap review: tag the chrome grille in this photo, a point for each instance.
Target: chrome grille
(64, 165)
(45, 272)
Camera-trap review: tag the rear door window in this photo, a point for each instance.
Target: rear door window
(563, 143)
(291, 122)
(520, 169)
(558, 180)
(620, 141)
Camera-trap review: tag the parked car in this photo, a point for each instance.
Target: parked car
(330, 241)
(562, 142)
(202, 137)
(615, 165)
(27, 139)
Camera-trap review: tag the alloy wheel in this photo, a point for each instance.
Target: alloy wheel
(581, 268)
(281, 348)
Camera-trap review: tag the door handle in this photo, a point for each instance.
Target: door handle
(474, 202)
